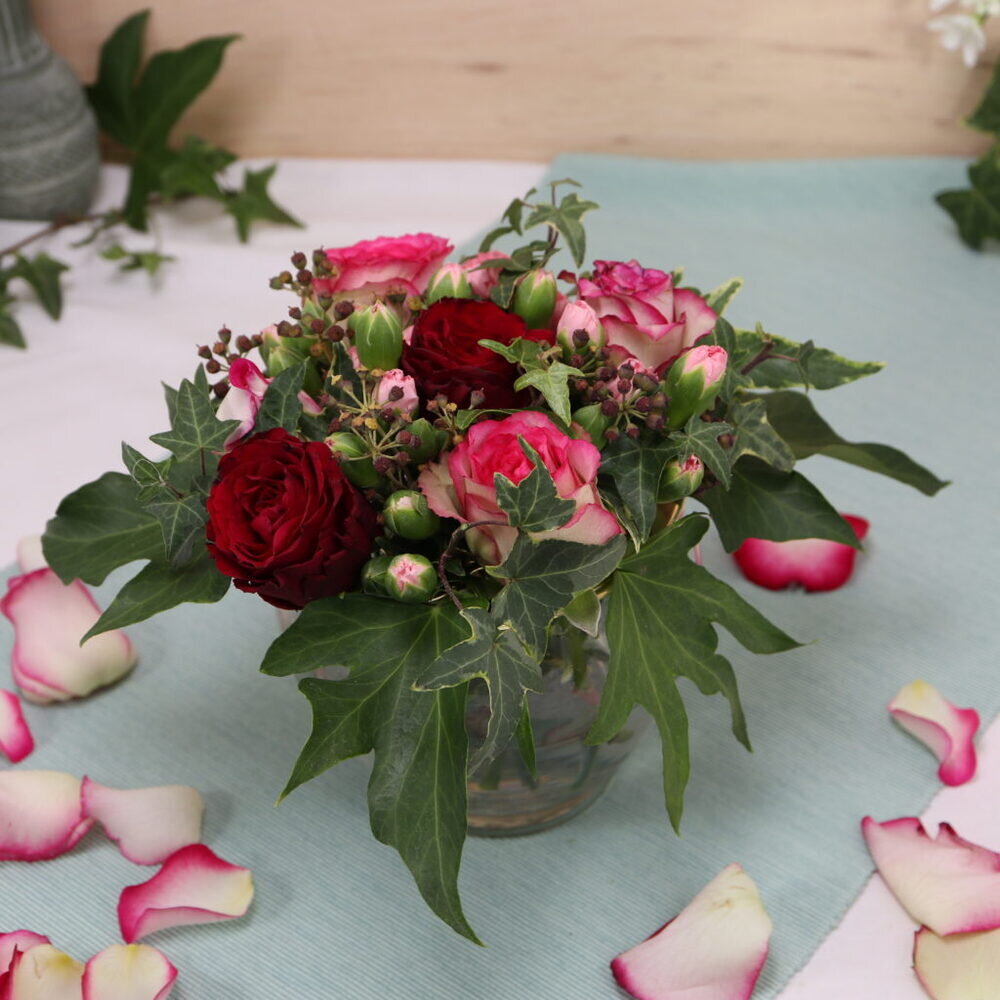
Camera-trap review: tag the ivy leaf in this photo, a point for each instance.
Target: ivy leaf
(635, 467)
(10, 331)
(149, 476)
(987, 114)
(281, 406)
(525, 737)
(566, 219)
(253, 203)
(976, 210)
(191, 170)
(720, 297)
(510, 672)
(779, 506)
(158, 587)
(542, 578)
(701, 438)
(98, 528)
(417, 791)
(182, 520)
(552, 383)
(42, 272)
(149, 261)
(755, 436)
(807, 433)
(518, 352)
(584, 612)
(111, 95)
(196, 436)
(533, 504)
(660, 615)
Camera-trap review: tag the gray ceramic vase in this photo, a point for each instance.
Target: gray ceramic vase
(48, 136)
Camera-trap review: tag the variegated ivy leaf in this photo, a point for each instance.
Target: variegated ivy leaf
(720, 297)
(755, 436)
(533, 504)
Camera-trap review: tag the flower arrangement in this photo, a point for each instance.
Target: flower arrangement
(436, 461)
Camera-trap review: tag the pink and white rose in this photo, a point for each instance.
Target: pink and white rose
(382, 266)
(397, 391)
(643, 314)
(461, 485)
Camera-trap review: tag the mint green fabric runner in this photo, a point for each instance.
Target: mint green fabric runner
(853, 255)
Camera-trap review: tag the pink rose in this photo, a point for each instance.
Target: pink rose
(461, 484)
(643, 314)
(482, 279)
(247, 385)
(382, 266)
(574, 316)
(397, 391)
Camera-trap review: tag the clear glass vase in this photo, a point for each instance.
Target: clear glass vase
(505, 800)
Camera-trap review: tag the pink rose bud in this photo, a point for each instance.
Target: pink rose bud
(450, 282)
(482, 279)
(410, 578)
(576, 317)
(535, 298)
(680, 479)
(397, 391)
(694, 381)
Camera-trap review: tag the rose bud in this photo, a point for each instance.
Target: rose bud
(425, 441)
(410, 578)
(576, 317)
(680, 479)
(535, 298)
(378, 336)
(397, 391)
(694, 381)
(592, 424)
(407, 515)
(354, 458)
(373, 575)
(450, 282)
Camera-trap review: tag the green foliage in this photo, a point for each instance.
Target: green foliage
(42, 274)
(986, 116)
(976, 209)
(807, 433)
(149, 261)
(719, 298)
(252, 203)
(780, 506)
(660, 616)
(755, 436)
(701, 438)
(566, 218)
(281, 406)
(10, 330)
(552, 382)
(635, 467)
(533, 504)
(417, 792)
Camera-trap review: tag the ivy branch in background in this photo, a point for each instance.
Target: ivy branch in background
(137, 107)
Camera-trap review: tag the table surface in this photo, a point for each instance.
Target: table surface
(93, 378)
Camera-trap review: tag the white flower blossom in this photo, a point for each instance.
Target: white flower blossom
(981, 9)
(961, 32)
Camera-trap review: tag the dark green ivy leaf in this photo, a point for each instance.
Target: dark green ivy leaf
(553, 383)
(755, 436)
(533, 504)
(976, 210)
(281, 406)
(191, 170)
(111, 95)
(636, 468)
(182, 520)
(149, 261)
(987, 114)
(566, 219)
(660, 616)
(253, 203)
(10, 332)
(417, 791)
(42, 272)
(701, 438)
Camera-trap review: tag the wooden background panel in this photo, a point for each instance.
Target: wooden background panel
(522, 79)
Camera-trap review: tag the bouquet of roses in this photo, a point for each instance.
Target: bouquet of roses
(438, 463)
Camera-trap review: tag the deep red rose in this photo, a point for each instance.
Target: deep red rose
(284, 521)
(445, 359)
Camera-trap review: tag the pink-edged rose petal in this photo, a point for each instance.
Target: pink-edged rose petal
(20, 941)
(128, 972)
(42, 973)
(945, 883)
(959, 967)
(194, 886)
(713, 949)
(16, 741)
(813, 563)
(50, 618)
(29, 554)
(926, 714)
(148, 824)
(41, 814)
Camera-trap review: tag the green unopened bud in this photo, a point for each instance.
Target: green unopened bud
(373, 575)
(592, 423)
(378, 336)
(694, 381)
(407, 515)
(280, 352)
(354, 458)
(450, 282)
(680, 479)
(535, 298)
(431, 441)
(410, 578)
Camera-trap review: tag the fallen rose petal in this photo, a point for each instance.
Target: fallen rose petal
(713, 949)
(16, 741)
(148, 824)
(959, 967)
(41, 814)
(194, 886)
(29, 554)
(42, 973)
(814, 563)
(128, 972)
(947, 883)
(19, 940)
(926, 714)
(50, 618)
